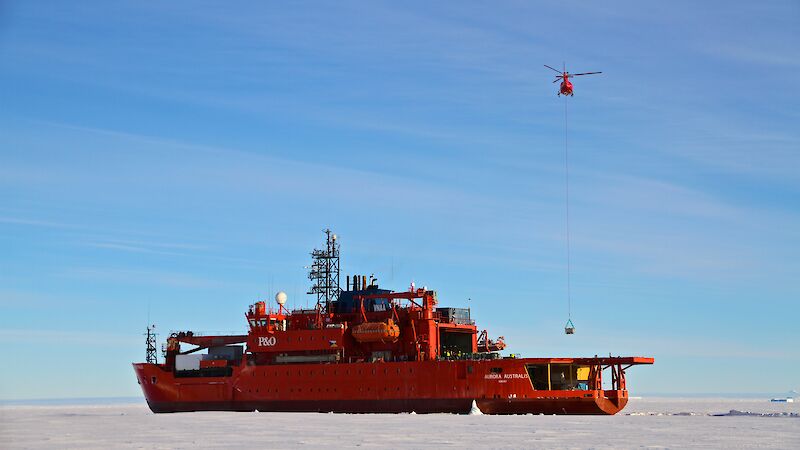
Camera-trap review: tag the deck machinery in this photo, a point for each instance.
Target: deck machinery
(364, 349)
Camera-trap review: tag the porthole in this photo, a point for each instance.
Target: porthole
(153, 380)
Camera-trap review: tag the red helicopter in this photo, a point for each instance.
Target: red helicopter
(564, 76)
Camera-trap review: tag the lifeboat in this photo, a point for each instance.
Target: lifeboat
(384, 332)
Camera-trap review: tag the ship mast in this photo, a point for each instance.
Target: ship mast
(324, 273)
(151, 355)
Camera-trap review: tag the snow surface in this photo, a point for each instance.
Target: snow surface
(648, 422)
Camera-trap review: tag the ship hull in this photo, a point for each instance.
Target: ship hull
(497, 387)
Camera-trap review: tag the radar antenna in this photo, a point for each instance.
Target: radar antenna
(324, 273)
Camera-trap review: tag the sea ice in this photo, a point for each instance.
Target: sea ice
(651, 422)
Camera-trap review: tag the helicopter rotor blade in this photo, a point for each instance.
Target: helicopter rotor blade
(557, 78)
(585, 73)
(552, 68)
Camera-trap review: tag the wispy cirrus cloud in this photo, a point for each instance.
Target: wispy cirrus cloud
(25, 221)
(88, 339)
(142, 277)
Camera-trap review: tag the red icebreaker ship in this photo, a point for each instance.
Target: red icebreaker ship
(364, 349)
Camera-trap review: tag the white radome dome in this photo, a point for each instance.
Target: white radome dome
(281, 297)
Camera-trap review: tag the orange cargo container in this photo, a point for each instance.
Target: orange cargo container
(213, 363)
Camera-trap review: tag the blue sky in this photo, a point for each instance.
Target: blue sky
(182, 158)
